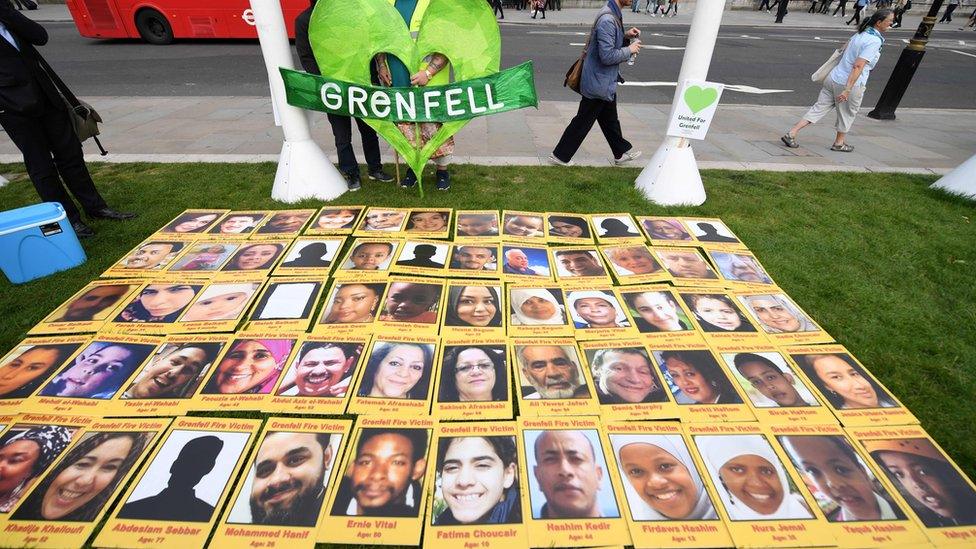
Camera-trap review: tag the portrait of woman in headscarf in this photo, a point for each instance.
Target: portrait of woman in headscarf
(536, 306)
(596, 309)
(28, 453)
(251, 366)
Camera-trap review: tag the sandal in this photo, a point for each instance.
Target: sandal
(789, 141)
(844, 148)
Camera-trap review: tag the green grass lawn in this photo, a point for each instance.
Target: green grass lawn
(885, 265)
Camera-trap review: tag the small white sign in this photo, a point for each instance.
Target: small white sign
(696, 108)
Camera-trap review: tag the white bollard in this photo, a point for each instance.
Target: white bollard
(671, 178)
(960, 181)
(304, 171)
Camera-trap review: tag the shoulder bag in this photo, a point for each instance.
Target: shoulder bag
(575, 72)
(820, 74)
(84, 118)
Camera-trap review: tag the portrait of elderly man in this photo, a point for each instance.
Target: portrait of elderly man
(569, 471)
(552, 371)
(286, 484)
(517, 263)
(385, 474)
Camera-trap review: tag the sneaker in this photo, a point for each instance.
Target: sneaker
(443, 180)
(379, 175)
(627, 157)
(352, 180)
(558, 162)
(409, 181)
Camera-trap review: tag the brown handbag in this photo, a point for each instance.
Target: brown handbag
(575, 72)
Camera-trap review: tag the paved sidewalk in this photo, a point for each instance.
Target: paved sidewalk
(241, 129)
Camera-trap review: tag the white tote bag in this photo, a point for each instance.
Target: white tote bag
(820, 74)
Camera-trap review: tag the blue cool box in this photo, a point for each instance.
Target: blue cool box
(36, 241)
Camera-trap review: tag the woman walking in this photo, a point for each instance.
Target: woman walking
(843, 88)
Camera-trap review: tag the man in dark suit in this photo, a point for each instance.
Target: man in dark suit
(342, 125)
(36, 119)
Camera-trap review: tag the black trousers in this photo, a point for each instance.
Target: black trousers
(857, 15)
(590, 111)
(763, 4)
(52, 155)
(842, 8)
(342, 131)
(947, 16)
(496, 7)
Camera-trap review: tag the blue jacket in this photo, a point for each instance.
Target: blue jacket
(604, 55)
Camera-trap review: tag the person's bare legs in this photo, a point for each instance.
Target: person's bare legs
(841, 137)
(798, 126)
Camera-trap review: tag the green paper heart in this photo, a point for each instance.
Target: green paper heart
(698, 98)
(345, 35)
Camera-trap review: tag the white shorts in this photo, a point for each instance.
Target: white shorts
(827, 100)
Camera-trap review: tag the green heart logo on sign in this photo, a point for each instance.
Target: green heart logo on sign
(698, 98)
(346, 34)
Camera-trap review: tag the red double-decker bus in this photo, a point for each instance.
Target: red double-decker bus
(162, 21)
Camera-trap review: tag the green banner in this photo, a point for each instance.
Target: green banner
(503, 91)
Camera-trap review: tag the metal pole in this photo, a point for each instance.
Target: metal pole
(672, 177)
(902, 75)
(304, 171)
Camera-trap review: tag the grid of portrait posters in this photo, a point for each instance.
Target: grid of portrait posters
(469, 378)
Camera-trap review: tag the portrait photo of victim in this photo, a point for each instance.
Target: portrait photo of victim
(616, 226)
(473, 373)
(846, 489)
(568, 475)
(221, 302)
(578, 263)
(523, 225)
(596, 309)
(398, 370)
(663, 228)
(378, 219)
(477, 224)
(311, 254)
(353, 303)
(768, 380)
(286, 483)
(175, 371)
(694, 377)
(185, 480)
(82, 484)
(711, 230)
(656, 312)
(843, 382)
(412, 302)
(250, 366)
(550, 372)
(777, 314)
(424, 255)
(257, 256)
(159, 303)
(27, 451)
(286, 222)
(321, 369)
(471, 257)
(26, 367)
(370, 256)
(568, 226)
(683, 263)
(477, 481)
(751, 481)
(624, 375)
(192, 222)
(428, 221)
(660, 479)
(525, 261)
(286, 300)
(474, 306)
(98, 371)
(336, 219)
(937, 493)
(208, 256)
(632, 260)
(93, 303)
(238, 223)
(717, 313)
(537, 306)
(151, 256)
(385, 474)
(740, 267)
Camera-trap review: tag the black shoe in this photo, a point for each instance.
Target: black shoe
(443, 180)
(379, 175)
(409, 181)
(352, 180)
(109, 213)
(82, 230)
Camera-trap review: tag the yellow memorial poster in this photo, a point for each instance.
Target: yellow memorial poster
(285, 304)
(783, 321)
(310, 256)
(173, 501)
(474, 309)
(30, 364)
(615, 228)
(712, 233)
(666, 501)
(239, 223)
(155, 306)
(551, 379)
(658, 314)
(148, 259)
(397, 377)
(634, 264)
(204, 257)
(568, 228)
(219, 307)
(429, 223)
(535, 311)
(283, 223)
(335, 220)
(597, 313)
(252, 258)
(247, 372)
(665, 231)
(577, 266)
(351, 308)
(473, 380)
(527, 227)
(382, 221)
(720, 319)
(191, 224)
(367, 259)
(422, 257)
(320, 377)
(473, 225)
(628, 385)
(411, 306)
(479, 259)
(688, 267)
(702, 389)
(740, 269)
(525, 263)
(89, 308)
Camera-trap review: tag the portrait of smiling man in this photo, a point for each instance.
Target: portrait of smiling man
(383, 478)
(569, 474)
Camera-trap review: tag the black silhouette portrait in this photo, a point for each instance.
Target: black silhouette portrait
(710, 234)
(312, 255)
(423, 255)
